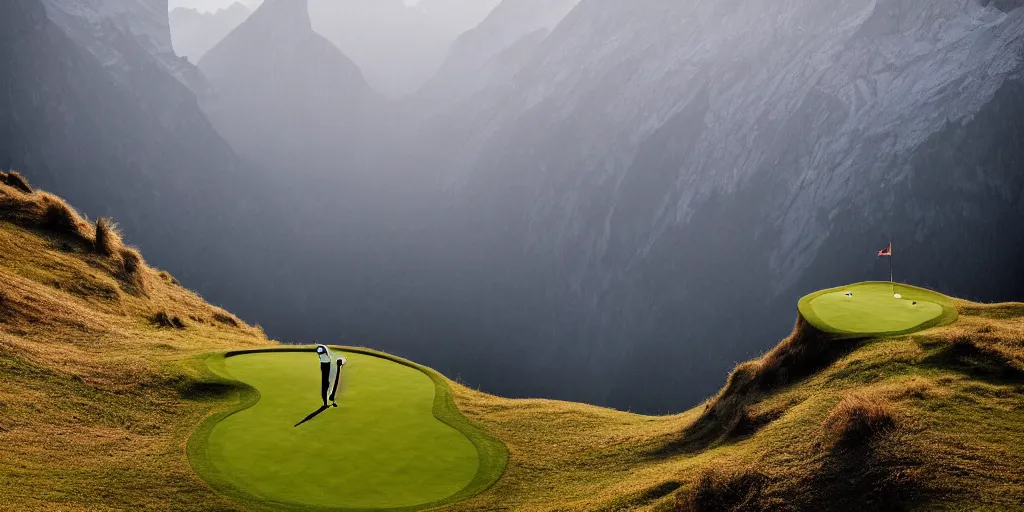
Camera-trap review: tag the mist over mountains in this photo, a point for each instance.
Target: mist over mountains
(195, 32)
(493, 51)
(580, 200)
(209, 6)
(397, 45)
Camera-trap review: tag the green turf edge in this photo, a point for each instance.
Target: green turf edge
(492, 453)
(948, 316)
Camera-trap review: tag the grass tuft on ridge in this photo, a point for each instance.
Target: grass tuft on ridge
(16, 181)
(858, 419)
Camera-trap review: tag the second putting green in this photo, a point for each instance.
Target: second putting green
(876, 308)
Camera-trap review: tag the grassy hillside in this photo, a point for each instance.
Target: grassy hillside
(99, 393)
(95, 402)
(930, 421)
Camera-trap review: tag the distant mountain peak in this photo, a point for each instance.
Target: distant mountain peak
(274, 73)
(283, 14)
(235, 7)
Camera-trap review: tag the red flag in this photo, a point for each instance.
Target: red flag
(887, 251)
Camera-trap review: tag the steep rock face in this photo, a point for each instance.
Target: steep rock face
(284, 93)
(144, 19)
(681, 171)
(102, 25)
(194, 32)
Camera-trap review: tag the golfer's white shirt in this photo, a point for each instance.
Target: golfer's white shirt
(326, 357)
(324, 353)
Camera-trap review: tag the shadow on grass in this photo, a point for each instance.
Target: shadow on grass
(312, 415)
(977, 362)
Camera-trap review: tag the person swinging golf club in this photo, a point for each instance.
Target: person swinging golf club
(330, 374)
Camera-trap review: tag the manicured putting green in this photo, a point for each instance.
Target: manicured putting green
(872, 309)
(380, 448)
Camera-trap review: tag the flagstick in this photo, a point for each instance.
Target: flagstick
(891, 283)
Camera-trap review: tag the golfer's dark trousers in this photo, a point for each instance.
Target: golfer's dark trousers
(325, 380)
(337, 379)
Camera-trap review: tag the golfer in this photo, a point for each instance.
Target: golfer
(325, 370)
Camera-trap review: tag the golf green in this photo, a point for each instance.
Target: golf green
(381, 448)
(873, 309)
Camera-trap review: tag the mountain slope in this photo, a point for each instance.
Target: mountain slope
(114, 30)
(493, 51)
(666, 161)
(274, 76)
(123, 139)
(132, 143)
(101, 358)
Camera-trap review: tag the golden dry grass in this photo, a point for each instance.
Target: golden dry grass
(97, 399)
(730, 489)
(107, 240)
(91, 412)
(858, 419)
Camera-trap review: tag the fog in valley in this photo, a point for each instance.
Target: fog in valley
(595, 200)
